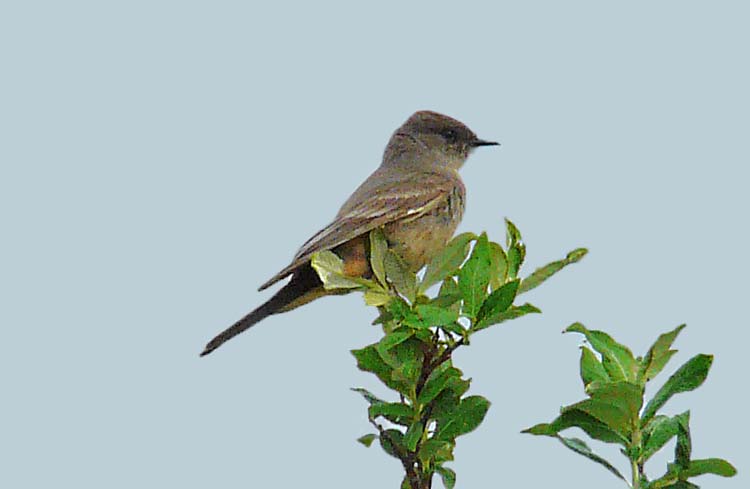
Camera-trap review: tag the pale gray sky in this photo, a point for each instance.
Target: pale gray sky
(160, 160)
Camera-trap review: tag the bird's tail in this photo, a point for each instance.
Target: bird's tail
(304, 287)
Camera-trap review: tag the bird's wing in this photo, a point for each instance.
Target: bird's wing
(380, 205)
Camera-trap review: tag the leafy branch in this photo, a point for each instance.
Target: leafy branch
(478, 285)
(614, 411)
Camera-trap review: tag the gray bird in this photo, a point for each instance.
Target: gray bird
(416, 196)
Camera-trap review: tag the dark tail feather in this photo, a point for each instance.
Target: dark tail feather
(246, 322)
(303, 281)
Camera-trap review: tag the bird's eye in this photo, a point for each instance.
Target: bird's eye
(450, 135)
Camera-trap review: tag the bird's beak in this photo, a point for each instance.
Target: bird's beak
(481, 142)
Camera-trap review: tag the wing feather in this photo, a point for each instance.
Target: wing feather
(376, 203)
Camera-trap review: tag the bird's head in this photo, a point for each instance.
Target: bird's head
(448, 141)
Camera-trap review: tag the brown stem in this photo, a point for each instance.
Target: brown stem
(415, 472)
(406, 458)
(448, 352)
(427, 367)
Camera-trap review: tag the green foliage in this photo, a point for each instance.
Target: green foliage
(541, 274)
(452, 257)
(474, 277)
(690, 376)
(615, 383)
(479, 285)
(579, 446)
(479, 282)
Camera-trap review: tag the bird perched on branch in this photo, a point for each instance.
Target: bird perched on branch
(416, 196)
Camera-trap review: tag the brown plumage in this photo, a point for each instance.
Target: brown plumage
(416, 196)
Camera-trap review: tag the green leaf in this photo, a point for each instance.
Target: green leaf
(541, 274)
(617, 359)
(455, 328)
(367, 439)
(657, 434)
(446, 301)
(377, 297)
(658, 355)
(541, 429)
(512, 313)
(437, 381)
(498, 265)
(450, 302)
(433, 450)
(416, 322)
(499, 301)
(400, 310)
(512, 234)
(465, 418)
(406, 359)
(516, 250)
(627, 395)
(574, 418)
(395, 412)
(688, 377)
(413, 435)
(449, 398)
(369, 396)
(330, 269)
(655, 367)
(392, 442)
(403, 280)
(447, 475)
(424, 335)
(378, 250)
(392, 339)
(683, 485)
(592, 369)
(515, 260)
(407, 316)
(385, 317)
(576, 255)
(436, 316)
(669, 479)
(474, 277)
(580, 447)
(616, 405)
(449, 295)
(676, 476)
(446, 263)
(683, 448)
(369, 360)
(715, 466)
(397, 367)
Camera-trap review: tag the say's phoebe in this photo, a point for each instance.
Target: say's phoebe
(416, 196)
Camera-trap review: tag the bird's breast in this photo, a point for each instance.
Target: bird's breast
(419, 239)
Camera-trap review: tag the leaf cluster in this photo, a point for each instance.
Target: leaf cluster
(614, 411)
(478, 286)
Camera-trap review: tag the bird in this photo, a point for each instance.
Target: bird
(415, 196)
